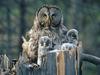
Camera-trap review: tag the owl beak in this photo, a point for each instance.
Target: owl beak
(50, 18)
(48, 22)
(44, 44)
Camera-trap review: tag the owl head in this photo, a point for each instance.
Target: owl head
(48, 17)
(72, 35)
(45, 42)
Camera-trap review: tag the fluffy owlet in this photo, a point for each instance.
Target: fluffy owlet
(73, 39)
(45, 44)
(73, 36)
(48, 22)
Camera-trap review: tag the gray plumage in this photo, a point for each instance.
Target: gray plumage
(73, 38)
(48, 22)
(45, 44)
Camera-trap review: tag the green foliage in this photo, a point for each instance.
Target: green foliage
(89, 69)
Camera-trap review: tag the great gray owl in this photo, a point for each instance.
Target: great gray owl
(45, 44)
(73, 36)
(48, 22)
(73, 39)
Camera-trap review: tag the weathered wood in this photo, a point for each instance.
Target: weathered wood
(48, 67)
(4, 65)
(64, 63)
(51, 64)
(56, 63)
(70, 63)
(79, 63)
(60, 64)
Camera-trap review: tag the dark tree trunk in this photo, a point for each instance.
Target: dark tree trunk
(75, 13)
(8, 19)
(22, 22)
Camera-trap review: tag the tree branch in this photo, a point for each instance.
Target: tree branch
(90, 58)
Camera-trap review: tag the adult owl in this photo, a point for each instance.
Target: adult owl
(48, 22)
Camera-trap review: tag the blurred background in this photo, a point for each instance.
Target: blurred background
(16, 18)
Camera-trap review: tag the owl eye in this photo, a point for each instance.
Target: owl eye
(53, 15)
(47, 42)
(73, 35)
(44, 15)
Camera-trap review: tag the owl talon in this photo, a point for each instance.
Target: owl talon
(35, 66)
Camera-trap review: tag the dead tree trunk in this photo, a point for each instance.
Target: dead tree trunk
(49, 68)
(64, 63)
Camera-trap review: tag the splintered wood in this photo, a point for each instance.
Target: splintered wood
(68, 61)
(60, 64)
(57, 63)
(48, 68)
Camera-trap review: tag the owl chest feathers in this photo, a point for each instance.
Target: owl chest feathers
(57, 36)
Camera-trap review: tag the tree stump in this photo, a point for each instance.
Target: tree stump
(49, 68)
